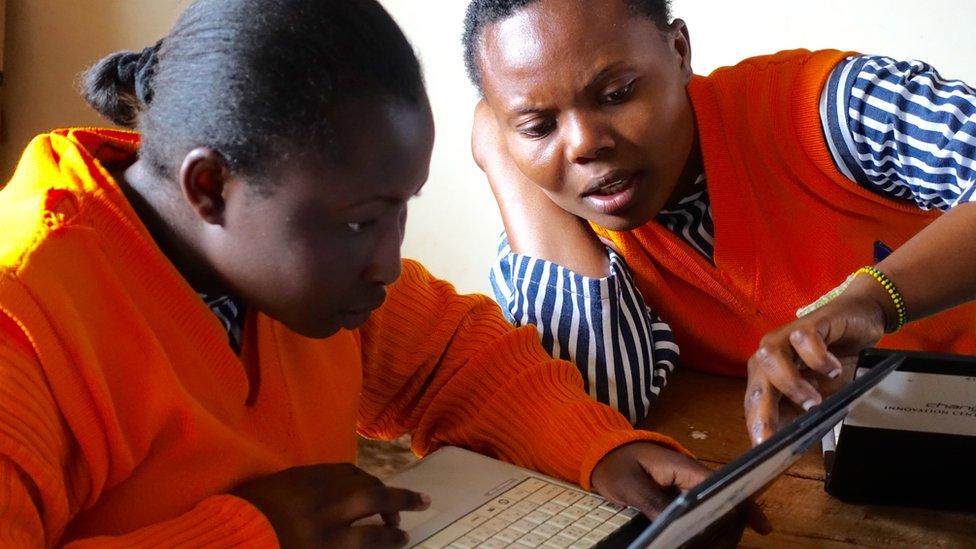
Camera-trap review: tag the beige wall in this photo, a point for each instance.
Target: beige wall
(49, 42)
(454, 223)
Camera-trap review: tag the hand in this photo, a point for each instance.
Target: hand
(648, 476)
(315, 506)
(811, 352)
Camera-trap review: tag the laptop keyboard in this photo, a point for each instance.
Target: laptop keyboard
(535, 513)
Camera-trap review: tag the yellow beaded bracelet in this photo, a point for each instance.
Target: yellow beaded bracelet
(882, 279)
(893, 292)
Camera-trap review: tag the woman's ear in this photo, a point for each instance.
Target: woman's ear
(203, 180)
(680, 42)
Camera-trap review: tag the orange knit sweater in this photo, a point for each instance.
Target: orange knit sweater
(788, 225)
(123, 414)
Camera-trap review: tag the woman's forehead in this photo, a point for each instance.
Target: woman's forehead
(554, 42)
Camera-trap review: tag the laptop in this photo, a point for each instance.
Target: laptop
(919, 427)
(482, 502)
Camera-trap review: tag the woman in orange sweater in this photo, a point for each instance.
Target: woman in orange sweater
(196, 319)
(736, 200)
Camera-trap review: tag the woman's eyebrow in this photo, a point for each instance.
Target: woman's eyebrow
(603, 74)
(370, 201)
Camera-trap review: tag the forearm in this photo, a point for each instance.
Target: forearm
(936, 269)
(536, 226)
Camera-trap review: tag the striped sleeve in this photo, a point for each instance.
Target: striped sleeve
(622, 349)
(901, 130)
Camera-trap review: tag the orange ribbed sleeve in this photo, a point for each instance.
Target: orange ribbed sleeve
(450, 368)
(44, 482)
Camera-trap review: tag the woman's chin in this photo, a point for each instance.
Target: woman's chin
(618, 223)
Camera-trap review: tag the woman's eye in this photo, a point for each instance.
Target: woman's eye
(537, 129)
(619, 95)
(360, 227)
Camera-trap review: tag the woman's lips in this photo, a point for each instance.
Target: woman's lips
(614, 196)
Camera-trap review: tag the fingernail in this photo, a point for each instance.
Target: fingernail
(809, 404)
(834, 374)
(424, 499)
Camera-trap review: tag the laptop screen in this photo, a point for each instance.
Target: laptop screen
(693, 512)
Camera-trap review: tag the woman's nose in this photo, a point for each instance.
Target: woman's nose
(588, 139)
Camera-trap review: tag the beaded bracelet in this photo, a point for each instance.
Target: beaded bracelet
(893, 292)
(882, 279)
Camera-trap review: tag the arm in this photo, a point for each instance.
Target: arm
(553, 272)
(900, 130)
(449, 368)
(536, 226)
(43, 483)
(622, 349)
(904, 132)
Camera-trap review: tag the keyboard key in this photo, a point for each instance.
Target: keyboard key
(494, 543)
(481, 533)
(524, 488)
(588, 523)
(611, 507)
(546, 530)
(560, 521)
(531, 540)
(589, 502)
(581, 545)
(630, 512)
(551, 508)
(537, 517)
(497, 524)
(510, 515)
(467, 542)
(524, 507)
(523, 526)
(574, 532)
(606, 529)
(559, 542)
(545, 493)
(574, 513)
(509, 535)
(594, 538)
(618, 520)
(486, 511)
(568, 497)
(600, 514)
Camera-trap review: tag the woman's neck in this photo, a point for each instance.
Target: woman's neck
(158, 206)
(694, 167)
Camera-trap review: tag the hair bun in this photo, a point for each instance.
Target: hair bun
(119, 86)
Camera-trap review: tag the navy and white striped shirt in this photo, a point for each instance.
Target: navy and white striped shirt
(230, 313)
(895, 127)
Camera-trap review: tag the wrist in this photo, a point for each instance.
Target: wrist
(878, 306)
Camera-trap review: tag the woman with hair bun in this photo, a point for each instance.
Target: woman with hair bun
(197, 318)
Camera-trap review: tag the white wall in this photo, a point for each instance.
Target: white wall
(453, 225)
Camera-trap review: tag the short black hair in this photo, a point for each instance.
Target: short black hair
(482, 13)
(255, 79)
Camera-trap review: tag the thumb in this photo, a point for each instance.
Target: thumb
(683, 473)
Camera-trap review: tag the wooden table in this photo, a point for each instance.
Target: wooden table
(704, 413)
